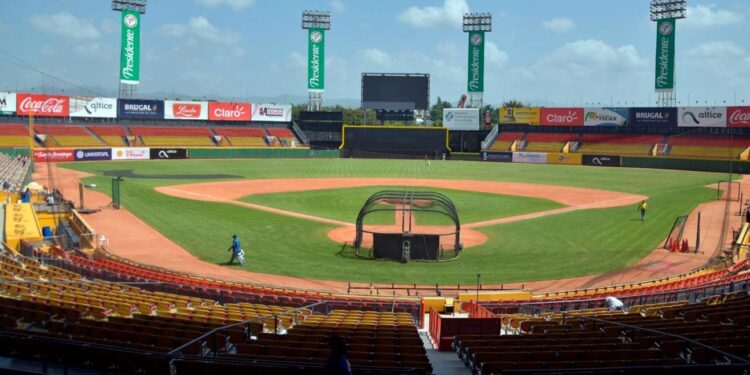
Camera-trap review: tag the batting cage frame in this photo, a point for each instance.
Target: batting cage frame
(405, 242)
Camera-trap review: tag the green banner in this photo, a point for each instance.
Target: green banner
(316, 46)
(476, 61)
(130, 47)
(665, 30)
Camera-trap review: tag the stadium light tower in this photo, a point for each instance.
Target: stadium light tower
(316, 23)
(130, 47)
(476, 24)
(666, 13)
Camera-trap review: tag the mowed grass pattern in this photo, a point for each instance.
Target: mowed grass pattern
(566, 245)
(344, 204)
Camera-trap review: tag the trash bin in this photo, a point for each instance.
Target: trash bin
(46, 232)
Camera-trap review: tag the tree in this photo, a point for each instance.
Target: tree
(436, 112)
(513, 104)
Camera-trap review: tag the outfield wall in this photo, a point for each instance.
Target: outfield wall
(241, 153)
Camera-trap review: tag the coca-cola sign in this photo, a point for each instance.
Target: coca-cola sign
(42, 105)
(562, 116)
(178, 110)
(738, 117)
(218, 111)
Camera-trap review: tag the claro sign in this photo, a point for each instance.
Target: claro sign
(562, 116)
(218, 111)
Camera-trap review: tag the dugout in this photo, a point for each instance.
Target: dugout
(395, 142)
(405, 241)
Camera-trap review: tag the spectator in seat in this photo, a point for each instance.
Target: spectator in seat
(337, 363)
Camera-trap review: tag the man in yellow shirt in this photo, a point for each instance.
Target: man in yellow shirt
(642, 209)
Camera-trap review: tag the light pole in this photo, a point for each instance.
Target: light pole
(316, 23)
(476, 24)
(666, 13)
(130, 47)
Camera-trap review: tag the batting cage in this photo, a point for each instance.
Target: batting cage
(395, 142)
(387, 227)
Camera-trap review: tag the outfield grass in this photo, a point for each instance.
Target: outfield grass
(344, 204)
(566, 245)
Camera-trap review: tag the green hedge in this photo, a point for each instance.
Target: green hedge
(242, 153)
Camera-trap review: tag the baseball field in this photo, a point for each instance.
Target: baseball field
(530, 222)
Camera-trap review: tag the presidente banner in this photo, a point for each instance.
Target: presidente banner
(505, 157)
(140, 109)
(529, 116)
(86, 106)
(178, 110)
(704, 117)
(130, 47)
(530, 157)
(42, 105)
(563, 158)
(7, 103)
(461, 118)
(602, 160)
(605, 116)
(271, 112)
(53, 155)
(561, 117)
(646, 116)
(738, 117)
(475, 81)
(665, 36)
(130, 153)
(316, 46)
(93, 154)
(168, 153)
(218, 111)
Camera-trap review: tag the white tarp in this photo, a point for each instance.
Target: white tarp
(86, 106)
(704, 117)
(461, 118)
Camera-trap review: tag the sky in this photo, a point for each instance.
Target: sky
(544, 52)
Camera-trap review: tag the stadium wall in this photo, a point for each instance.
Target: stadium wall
(241, 153)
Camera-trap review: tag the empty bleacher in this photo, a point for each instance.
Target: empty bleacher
(712, 147)
(14, 135)
(548, 142)
(619, 144)
(243, 137)
(173, 136)
(13, 171)
(505, 139)
(67, 136)
(111, 135)
(284, 136)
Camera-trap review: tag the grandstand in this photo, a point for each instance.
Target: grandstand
(711, 147)
(242, 137)
(548, 142)
(619, 144)
(505, 140)
(171, 136)
(111, 135)
(14, 135)
(67, 136)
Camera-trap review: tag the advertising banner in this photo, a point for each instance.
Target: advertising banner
(738, 117)
(140, 109)
(475, 81)
(93, 154)
(562, 158)
(561, 117)
(652, 116)
(316, 46)
(530, 157)
(704, 117)
(42, 105)
(506, 157)
(130, 47)
(526, 116)
(605, 116)
(602, 160)
(461, 118)
(7, 103)
(168, 153)
(665, 36)
(175, 110)
(218, 111)
(86, 106)
(53, 155)
(130, 153)
(271, 112)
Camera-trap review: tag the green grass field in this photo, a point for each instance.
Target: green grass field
(559, 246)
(344, 204)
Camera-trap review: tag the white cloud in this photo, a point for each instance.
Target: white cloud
(495, 56)
(337, 5)
(588, 54)
(65, 25)
(234, 4)
(559, 25)
(200, 28)
(109, 26)
(47, 51)
(449, 14)
(703, 16)
(375, 56)
(297, 60)
(717, 50)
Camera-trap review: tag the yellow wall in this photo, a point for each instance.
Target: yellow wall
(20, 223)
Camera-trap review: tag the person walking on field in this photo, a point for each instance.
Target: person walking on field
(236, 250)
(642, 209)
